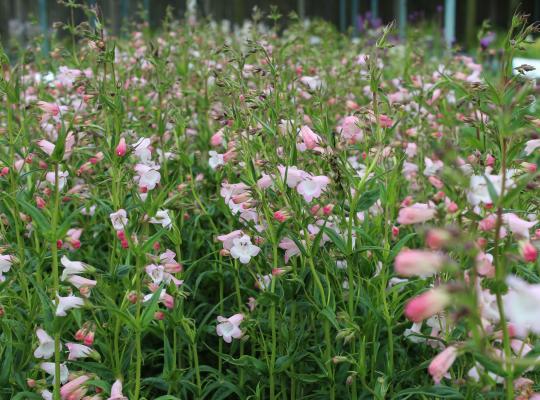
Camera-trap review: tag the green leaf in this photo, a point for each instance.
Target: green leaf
(367, 199)
(491, 190)
(151, 308)
(330, 315)
(336, 239)
(37, 216)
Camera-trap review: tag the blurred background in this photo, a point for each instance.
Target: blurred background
(459, 20)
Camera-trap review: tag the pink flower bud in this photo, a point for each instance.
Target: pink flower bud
(121, 149)
(89, 338)
(437, 238)
(159, 315)
(40, 203)
(418, 263)
(529, 252)
(281, 216)
(427, 304)
(452, 207)
(327, 209)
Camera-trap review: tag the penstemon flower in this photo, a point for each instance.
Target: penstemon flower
(229, 328)
(46, 345)
(242, 249)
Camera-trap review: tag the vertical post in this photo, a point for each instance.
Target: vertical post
(342, 16)
(302, 9)
(470, 23)
(44, 25)
(146, 5)
(124, 9)
(354, 17)
(449, 22)
(92, 3)
(402, 18)
(374, 9)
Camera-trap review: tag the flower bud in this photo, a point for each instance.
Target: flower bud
(121, 149)
(427, 304)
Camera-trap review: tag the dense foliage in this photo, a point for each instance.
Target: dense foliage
(203, 213)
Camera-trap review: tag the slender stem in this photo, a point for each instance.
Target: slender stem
(500, 273)
(239, 300)
(56, 284)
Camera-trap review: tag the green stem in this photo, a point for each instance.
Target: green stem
(56, 283)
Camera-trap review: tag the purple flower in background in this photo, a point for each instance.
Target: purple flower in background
(487, 40)
(440, 8)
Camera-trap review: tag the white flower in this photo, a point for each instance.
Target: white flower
(215, 159)
(479, 192)
(119, 219)
(77, 351)
(229, 328)
(521, 305)
(312, 187)
(46, 345)
(46, 395)
(432, 167)
(414, 333)
(49, 367)
(162, 218)
(312, 82)
(5, 264)
(148, 176)
(531, 146)
(65, 304)
(141, 149)
(158, 274)
(73, 267)
(62, 178)
(517, 225)
(243, 249)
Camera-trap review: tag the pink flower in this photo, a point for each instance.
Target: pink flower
(427, 304)
(116, 391)
(217, 138)
(440, 365)
(310, 138)
(229, 328)
(418, 263)
(415, 214)
(385, 121)
(265, 181)
(49, 108)
(46, 146)
(72, 386)
(312, 186)
(488, 223)
(518, 226)
(228, 239)
(529, 251)
(294, 175)
(350, 129)
(121, 149)
(290, 247)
